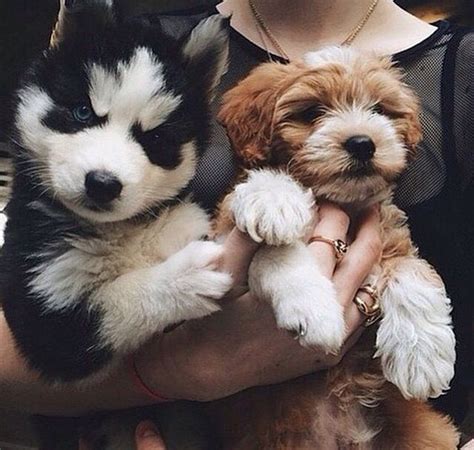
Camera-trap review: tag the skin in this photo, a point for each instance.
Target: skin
(240, 346)
(204, 352)
(307, 25)
(147, 437)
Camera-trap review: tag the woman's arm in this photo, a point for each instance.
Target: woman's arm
(207, 359)
(240, 346)
(21, 389)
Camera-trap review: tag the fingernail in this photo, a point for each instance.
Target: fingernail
(147, 429)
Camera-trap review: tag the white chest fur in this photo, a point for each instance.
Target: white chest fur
(121, 248)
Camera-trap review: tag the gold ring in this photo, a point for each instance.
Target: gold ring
(340, 247)
(371, 312)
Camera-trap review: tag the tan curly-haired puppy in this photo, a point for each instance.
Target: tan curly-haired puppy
(339, 126)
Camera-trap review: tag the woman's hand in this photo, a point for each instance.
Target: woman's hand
(147, 437)
(241, 346)
(207, 359)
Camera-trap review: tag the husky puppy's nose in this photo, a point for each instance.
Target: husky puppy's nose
(360, 147)
(102, 187)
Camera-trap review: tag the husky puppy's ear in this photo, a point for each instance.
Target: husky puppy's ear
(206, 53)
(82, 17)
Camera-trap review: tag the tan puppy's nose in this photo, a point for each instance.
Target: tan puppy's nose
(361, 147)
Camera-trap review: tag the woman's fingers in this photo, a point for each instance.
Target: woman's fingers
(469, 445)
(83, 445)
(351, 340)
(354, 318)
(363, 254)
(243, 338)
(239, 250)
(333, 224)
(147, 437)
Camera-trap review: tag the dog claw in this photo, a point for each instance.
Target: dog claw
(299, 333)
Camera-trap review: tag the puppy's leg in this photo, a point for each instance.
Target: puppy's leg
(275, 209)
(303, 299)
(412, 425)
(140, 303)
(272, 207)
(415, 340)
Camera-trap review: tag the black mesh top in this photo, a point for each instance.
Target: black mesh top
(437, 190)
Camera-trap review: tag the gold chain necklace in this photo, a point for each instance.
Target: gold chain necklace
(263, 28)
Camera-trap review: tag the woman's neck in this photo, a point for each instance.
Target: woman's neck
(318, 18)
(304, 25)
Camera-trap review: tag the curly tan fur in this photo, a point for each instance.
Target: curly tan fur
(352, 406)
(349, 407)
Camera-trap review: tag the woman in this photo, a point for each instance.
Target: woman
(241, 347)
(147, 437)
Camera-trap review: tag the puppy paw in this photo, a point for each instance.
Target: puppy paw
(197, 254)
(419, 369)
(201, 288)
(415, 340)
(313, 313)
(272, 207)
(196, 279)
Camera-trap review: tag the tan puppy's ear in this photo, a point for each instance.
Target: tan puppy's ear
(413, 133)
(403, 105)
(248, 109)
(408, 122)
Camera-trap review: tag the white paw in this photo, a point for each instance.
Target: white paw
(420, 369)
(313, 310)
(197, 254)
(201, 288)
(197, 281)
(415, 341)
(272, 207)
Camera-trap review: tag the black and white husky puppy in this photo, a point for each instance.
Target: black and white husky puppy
(102, 243)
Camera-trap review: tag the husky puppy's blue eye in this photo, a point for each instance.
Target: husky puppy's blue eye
(82, 113)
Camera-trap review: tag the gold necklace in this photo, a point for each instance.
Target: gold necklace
(262, 27)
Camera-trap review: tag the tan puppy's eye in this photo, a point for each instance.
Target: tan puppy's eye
(388, 111)
(379, 109)
(308, 115)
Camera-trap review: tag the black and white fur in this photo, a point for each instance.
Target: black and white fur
(102, 245)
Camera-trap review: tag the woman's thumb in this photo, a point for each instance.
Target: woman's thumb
(147, 437)
(239, 250)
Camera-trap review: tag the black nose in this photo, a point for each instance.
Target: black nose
(102, 187)
(361, 147)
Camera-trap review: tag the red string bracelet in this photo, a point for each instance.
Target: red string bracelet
(141, 385)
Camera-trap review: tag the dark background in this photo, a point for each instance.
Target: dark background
(25, 26)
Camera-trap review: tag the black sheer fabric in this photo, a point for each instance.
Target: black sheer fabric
(437, 189)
